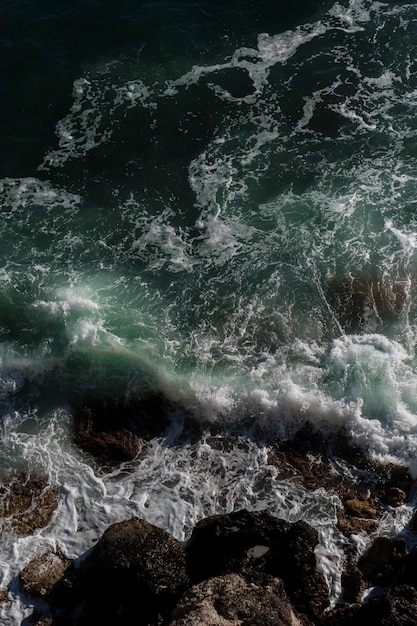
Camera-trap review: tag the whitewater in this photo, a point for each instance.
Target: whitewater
(194, 228)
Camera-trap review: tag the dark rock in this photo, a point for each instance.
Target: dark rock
(394, 496)
(407, 572)
(393, 607)
(230, 600)
(113, 429)
(311, 454)
(412, 525)
(352, 584)
(134, 564)
(381, 562)
(344, 614)
(42, 573)
(394, 483)
(26, 503)
(254, 543)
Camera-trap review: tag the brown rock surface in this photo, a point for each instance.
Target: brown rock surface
(4, 595)
(230, 600)
(42, 573)
(364, 486)
(26, 503)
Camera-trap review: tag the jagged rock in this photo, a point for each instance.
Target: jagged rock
(363, 485)
(394, 496)
(407, 572)
(26, 503)
(358, 515)
(394, 607)
(381, 563)
(343, 614)
(113, 429)
(361, 508)
(356, 525)
(4, 595)
(352, 584)
(42, 573)
(254, 543)
(230, 600)
(134, 564)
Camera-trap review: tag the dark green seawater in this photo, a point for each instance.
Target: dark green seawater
(215, 198)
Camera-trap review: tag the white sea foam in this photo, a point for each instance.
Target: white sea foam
(229, 292)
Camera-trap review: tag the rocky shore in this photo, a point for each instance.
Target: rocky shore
(240, 568)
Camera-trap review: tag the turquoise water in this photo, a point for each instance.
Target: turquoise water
(220, 199)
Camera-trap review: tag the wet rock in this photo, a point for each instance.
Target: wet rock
(382, 561)
(353, 585)
(358, 514)
(412, 525)
(230, 600)
(393, 607)
(309, 454)
(255, 543)
(344, 614)
(394, 496)
(134, 564)
(407, 572)
(361, 508)
(113, 429)
(356, 525)
(331, 462)
(42, 573)
(394, 483)
(4, 595)
(26, 503)
(396, 606)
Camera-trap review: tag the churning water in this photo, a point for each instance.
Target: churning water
(193, 196)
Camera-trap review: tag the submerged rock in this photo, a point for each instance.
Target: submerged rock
(331, 462)
(230, 600)
(26, 503)
(113, 429)
(361, 302)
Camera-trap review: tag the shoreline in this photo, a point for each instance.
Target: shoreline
(366, 491)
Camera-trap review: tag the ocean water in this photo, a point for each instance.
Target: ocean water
(219, 199)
